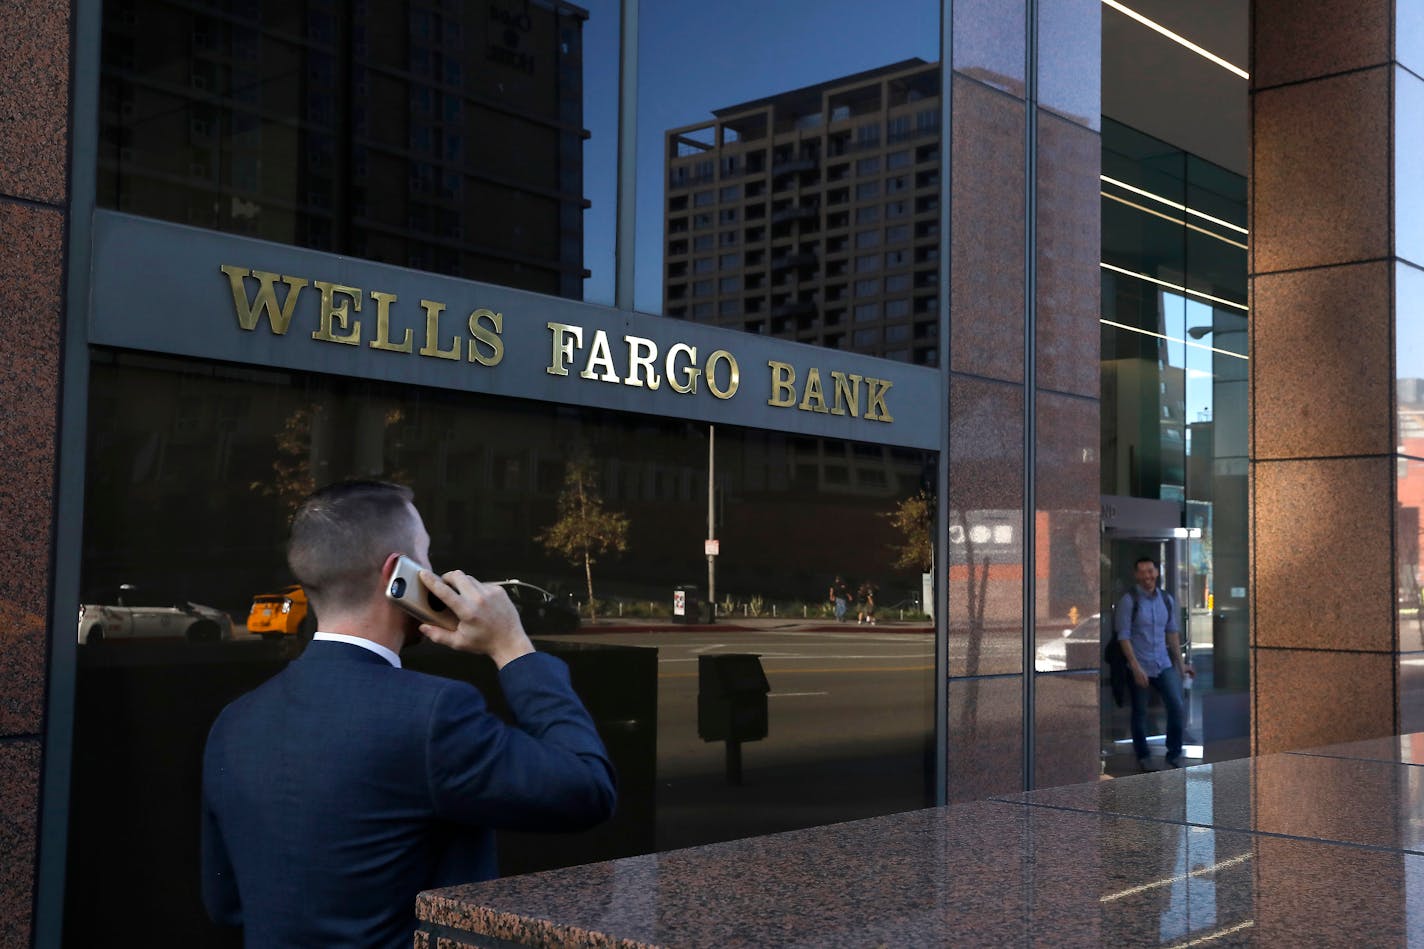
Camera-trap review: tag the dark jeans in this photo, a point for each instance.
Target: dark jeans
(1168, 684)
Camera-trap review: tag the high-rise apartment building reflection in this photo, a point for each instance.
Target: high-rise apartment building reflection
(431, 134)
(813, 215)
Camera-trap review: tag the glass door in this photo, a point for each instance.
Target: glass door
(1170, 548)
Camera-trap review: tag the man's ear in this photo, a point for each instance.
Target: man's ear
(388, 567)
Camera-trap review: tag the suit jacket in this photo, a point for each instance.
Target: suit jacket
(343, 786)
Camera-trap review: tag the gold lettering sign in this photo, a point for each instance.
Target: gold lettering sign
(432, 333)
(593, 356)
(383, 325)
(338, 314)
(734, 379)
(812, 395)
(486, 336)
(279, 317)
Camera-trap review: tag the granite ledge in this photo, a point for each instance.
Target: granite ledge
(1088, 874)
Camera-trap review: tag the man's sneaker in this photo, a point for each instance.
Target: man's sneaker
(1174, 762)
(1145, 765)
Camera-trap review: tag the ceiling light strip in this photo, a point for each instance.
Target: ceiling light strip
(1177, 38)
(1155, 884)
(1174, 286)
(1171, 339)
(1173, 204)
(1174, 220)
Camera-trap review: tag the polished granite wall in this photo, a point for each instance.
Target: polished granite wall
(34, 154)
(1008, 133)
(1334, 528)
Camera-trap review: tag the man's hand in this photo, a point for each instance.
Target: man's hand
(489, 624)
(1138, 675)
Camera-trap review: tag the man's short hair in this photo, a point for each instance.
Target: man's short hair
(1142, 560)
(342, 534)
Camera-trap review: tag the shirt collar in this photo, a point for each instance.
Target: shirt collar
(374, 647)
(1151, 596)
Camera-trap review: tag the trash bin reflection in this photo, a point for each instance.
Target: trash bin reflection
(731, 704)
(686, 604)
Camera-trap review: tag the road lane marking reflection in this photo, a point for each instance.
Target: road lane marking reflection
(792, 695)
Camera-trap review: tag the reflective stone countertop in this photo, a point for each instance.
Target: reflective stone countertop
(1317, 848)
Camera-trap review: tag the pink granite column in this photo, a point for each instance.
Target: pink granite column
(34, 155)
(1333, 255)
(1016, 146)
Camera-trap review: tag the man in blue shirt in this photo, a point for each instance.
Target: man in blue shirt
(1146, 628)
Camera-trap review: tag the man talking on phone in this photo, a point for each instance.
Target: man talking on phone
(345, 785)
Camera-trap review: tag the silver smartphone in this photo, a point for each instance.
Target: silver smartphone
(406, 591)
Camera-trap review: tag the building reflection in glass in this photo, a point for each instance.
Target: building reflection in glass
(438, 136)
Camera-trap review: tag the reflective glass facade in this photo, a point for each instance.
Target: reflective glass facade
(479, 143)
(437, 136)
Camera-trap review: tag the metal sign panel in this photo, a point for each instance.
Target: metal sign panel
(166, 288)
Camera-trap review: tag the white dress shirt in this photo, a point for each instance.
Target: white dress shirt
(376, 648)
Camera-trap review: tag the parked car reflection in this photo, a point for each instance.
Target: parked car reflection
(541, 611)
(284, 613)
(1078, 648)
(131, 612)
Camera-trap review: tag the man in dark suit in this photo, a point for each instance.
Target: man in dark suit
(344, 785)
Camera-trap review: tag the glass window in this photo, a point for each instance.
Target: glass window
(867, 312)
(704, 264)
(896, 308)
(291, 125)
(900, 159)
(806, 124)
(194, 470)
(867, 239)
(897, 283)
(867, 288)
(869, 263)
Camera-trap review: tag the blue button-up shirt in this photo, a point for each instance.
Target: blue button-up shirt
(1148, 634)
